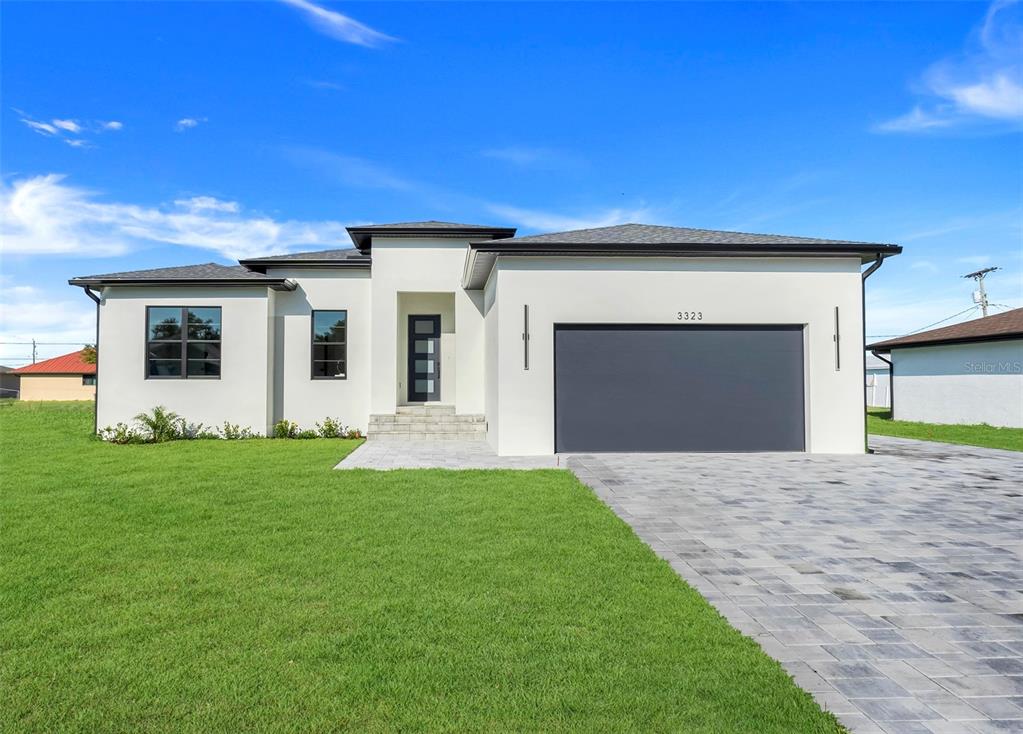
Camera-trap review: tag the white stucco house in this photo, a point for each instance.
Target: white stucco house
(965, 373)
(625, 338)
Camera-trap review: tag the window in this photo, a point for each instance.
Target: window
(330, 345)
(88, 380)
(183, 342)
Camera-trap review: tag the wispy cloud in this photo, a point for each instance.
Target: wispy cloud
(924, 265)
(339, 26)
(984, 84)
(28, 313)
(70, 126)
(187, 123)
(45, 215)
(207, 204)
(67, 129)
(43, 128)
(350, 170)
(526, 157)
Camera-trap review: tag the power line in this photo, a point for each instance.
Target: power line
(45, 344)
(923, 328)
(971, 308)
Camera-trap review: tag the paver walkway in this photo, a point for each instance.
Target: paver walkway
(441, 454)
(889, 585)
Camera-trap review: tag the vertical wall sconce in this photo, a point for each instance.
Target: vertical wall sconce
(525, 337)
(838, 358)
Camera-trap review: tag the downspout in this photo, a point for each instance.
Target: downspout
(95, 402)
(878, 260)
(891, 383)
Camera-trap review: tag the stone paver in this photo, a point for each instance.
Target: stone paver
(890, 585)
(439, 454)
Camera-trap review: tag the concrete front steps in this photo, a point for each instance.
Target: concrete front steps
(430, 422)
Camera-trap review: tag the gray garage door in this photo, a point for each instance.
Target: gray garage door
(678, 388)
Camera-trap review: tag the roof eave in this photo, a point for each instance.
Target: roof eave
(683, 248)
(362, 237)
(277, 284)
(889, 346)
(472, 280)
(260, 266)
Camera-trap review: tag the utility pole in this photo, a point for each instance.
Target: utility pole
(33, 351)
(980, 295)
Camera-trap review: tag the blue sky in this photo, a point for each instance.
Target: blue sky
(140, 135)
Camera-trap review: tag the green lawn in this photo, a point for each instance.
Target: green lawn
(879, 421)
(214, 586)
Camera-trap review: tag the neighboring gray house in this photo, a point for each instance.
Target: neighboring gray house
(878, 382)
(10, 383)
(965, 373)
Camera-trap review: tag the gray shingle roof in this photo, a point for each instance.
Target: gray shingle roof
(213, 273)
(631, 240)
(428, 224)
(362, 236)
(651, 234)
(1007, 325)
(347, 257)
(348, 253)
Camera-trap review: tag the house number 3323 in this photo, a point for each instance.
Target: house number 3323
(690, 315)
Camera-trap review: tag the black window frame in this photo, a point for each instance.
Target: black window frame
(313, 343)
(184, 341)
(88, 380)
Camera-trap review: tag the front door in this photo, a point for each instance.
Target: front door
(423, 358)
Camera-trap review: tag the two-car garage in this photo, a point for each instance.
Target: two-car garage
(675, 387)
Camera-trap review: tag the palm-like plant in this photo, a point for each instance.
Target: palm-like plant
(162, 424)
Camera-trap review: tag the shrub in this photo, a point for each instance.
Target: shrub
(308, 433)
(162, 424)
(285, 429)
(234, 432)
(190, 431)
(121, 433)
(333, 428)
(330, 428)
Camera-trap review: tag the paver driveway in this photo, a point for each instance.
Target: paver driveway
(890, 585)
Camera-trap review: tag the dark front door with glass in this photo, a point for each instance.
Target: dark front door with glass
(423, 358)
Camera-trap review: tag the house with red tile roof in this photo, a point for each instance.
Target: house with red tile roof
(67, 377)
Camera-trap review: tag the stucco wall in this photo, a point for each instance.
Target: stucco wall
(55, 387)
(296, 396)
(491, 359)
(239, 396)
(653, 291)
(960, 383)
(411, 266)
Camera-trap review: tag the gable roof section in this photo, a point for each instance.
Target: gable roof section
(1008, 325)
(65, 364)
(345, 258)
(655, 240)
(363, 235)
(205, 274)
